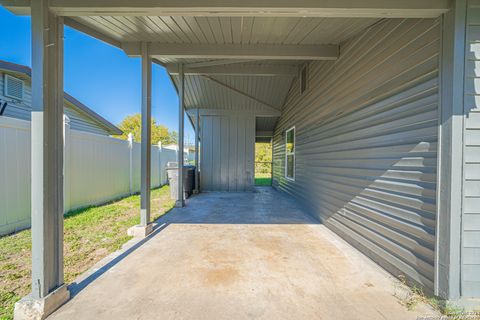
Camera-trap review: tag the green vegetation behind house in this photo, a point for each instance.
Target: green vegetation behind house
(133, 124)
(263, 164)
(263, 181)
(90, 235)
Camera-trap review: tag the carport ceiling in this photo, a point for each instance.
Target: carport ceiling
(219, 31)
(240, 55)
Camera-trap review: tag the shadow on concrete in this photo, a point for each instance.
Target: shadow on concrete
(263, 206)
(109, 262)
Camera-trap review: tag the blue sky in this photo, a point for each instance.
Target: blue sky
(97, 74)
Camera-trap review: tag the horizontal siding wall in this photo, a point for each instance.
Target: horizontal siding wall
(97, 170)
(79, 121)
(471, 191)
(17, 109)
(366, 144)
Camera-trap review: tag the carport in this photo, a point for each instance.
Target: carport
(238, 256)
(373, 105)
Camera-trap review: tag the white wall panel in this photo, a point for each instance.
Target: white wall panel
(97, 170)
(14, 174)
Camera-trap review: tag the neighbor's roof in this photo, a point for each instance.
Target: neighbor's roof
(26, 71)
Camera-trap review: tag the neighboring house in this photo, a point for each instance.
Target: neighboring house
(188, 153)
(15, 102)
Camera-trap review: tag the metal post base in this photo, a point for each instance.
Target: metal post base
(29, 308)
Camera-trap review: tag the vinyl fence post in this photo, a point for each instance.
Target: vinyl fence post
(67, 147)
(130, 167)
(160, 169)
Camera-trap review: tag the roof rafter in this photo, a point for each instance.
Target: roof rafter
(215, 63)
(91, 32)
(238, 70)
(266, 105)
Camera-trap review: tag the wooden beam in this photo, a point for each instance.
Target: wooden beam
(215, 63)
(219, 111)
(92, 32)
(238, 70)
(257, 8)
(233, 51)
(264, 133)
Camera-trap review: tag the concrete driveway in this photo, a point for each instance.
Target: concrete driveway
(237, 256)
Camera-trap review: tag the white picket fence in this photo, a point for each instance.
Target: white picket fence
(97, 169)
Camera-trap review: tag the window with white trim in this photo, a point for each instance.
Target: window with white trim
(13, 87)
(290, 154)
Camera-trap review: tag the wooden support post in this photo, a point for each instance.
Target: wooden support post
(181, 110)
(145, 227)
(447, 265)
(48, 288)
(197, 136)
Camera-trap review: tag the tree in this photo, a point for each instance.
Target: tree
(263, 158)
(133, 124)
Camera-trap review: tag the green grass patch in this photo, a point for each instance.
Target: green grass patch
(411, 295)
(90, 234)
(263, 181)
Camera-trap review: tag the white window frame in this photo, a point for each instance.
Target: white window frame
(291, 153)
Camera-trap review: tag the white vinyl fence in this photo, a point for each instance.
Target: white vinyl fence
(97, 169)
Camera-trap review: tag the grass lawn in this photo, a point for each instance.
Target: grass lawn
(263, 181)
(90, 235)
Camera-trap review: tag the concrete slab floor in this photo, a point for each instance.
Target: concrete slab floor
(238, 256)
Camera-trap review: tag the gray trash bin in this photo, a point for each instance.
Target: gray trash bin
(188, 180)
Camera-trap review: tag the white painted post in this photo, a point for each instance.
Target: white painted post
(130, 168)
(67, 147)
(197, 131)
(48, 288)
(160, 167)
(181, 109)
